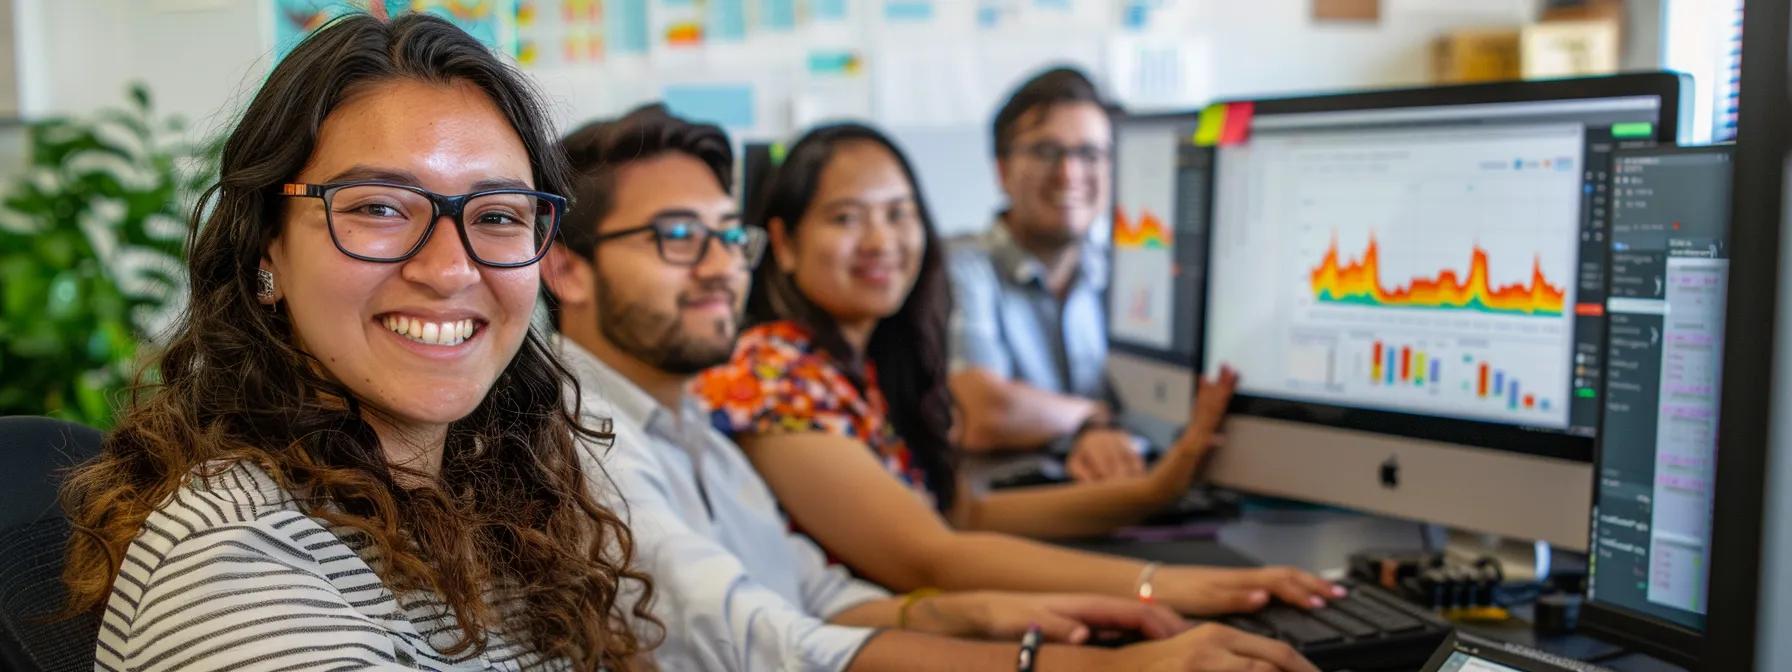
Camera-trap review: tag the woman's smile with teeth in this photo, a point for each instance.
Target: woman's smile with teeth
(432, 333)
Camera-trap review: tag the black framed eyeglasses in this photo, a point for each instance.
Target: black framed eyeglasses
(387, 223)
(683, 241)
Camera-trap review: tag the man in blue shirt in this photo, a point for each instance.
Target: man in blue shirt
(1029, 328)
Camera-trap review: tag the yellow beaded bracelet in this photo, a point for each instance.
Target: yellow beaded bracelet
(909, 600)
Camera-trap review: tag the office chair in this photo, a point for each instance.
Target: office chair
(33, 536)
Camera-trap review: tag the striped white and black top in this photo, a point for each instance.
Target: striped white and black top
(230, 575)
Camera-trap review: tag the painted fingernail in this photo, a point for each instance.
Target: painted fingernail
(1338, 591)
(1315, 601)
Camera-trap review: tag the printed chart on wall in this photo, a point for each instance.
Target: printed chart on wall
(1141, 292)
(1431, 276)
(489, 21)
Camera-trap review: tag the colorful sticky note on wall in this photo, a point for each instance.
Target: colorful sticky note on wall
(727, 20)
(908, 11)
(779, 14)
(835, 63)
(727, 105)
(1136, 14)
(830, 10)
(625, 26)
(684, 34)
(988, 15)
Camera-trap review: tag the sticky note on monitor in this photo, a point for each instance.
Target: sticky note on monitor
(1224, 124)
(1213, 121)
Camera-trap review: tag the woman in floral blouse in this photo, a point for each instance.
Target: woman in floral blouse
(839, 399)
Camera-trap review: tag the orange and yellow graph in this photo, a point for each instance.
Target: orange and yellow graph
(1148, 234)
(1359, 282)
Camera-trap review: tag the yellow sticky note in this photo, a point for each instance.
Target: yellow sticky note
(1213, 120)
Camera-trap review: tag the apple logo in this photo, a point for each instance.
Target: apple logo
(1390, 472)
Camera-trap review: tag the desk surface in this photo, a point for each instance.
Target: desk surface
(1321, 540)
(1318, 540)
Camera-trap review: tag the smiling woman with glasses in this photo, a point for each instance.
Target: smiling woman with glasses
(359, 454)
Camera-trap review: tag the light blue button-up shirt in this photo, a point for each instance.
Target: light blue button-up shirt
(735, 588)
(1005, 319)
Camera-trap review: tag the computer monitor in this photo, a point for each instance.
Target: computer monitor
(1648, 569)
(1411, 286)
(1161, 183)
(757, 161)
(1751, 540)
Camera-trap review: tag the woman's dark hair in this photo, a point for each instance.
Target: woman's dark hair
(909, 347)
(510, 510)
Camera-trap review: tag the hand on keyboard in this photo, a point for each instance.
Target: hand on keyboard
(1211, 646)
(1208, 591)
(1368, 628)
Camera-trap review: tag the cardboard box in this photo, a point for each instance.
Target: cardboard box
(1476, 55)
(1570, 49)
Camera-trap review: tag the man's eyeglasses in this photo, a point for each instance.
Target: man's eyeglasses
(385, 222)
(684, 241)
(1050, 153)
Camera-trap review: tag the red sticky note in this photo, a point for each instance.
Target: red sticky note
(1238, 124)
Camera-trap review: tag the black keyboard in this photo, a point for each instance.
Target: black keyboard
(1370, 630)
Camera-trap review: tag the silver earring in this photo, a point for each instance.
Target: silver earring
(264, 284)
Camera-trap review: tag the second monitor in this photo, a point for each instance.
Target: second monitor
(1159, 258)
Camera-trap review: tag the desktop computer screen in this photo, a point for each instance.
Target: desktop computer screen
(1651, 543)
(1159, 257)
(1435, 262)
(1161, 180)
(1402, 276)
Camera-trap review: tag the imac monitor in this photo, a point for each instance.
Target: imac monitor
(1648, 569)
(1410, 284)
(1161, 185)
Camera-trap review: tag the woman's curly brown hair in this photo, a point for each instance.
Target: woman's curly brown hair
(510, 509)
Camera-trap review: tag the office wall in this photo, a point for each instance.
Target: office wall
(9, 80)
(199, 57)
(196, 56)
(12, 133)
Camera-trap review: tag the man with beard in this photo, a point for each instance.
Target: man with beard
(644, 302)
(1029, 339)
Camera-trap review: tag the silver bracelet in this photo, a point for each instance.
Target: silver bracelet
(1146, 590)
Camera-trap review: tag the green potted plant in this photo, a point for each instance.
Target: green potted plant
(91, 238)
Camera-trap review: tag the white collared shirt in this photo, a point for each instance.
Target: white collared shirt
(735, 588)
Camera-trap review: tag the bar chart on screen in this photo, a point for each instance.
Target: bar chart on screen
(1141, 293)
(1433, 278)
(1143, 266)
